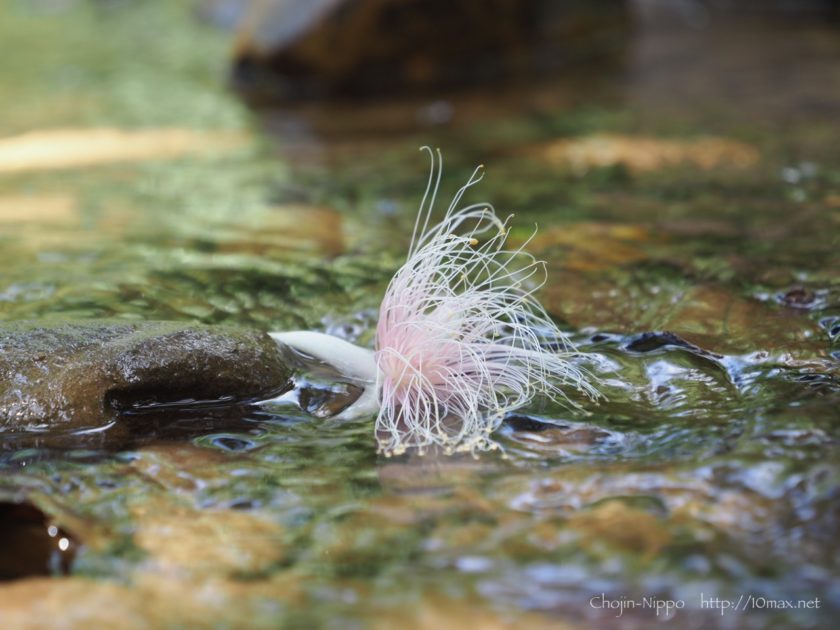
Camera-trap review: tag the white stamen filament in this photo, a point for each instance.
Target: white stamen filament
(461, 339)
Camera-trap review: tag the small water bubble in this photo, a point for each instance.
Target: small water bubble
(697, 564)
(438, 112)
(473, 564)
(387, 207)
(798, 173)
(556, 575)
(231, 443)
(791, 175)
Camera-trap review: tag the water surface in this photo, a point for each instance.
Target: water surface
(690, 216)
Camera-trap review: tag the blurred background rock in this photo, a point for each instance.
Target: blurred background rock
(300, 48)
(292, 49)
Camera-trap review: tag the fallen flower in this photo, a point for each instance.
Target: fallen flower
(461, 339)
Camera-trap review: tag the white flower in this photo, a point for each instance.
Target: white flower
(461, 339)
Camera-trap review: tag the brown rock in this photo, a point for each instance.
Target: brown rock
(314, 47)
(83, 374)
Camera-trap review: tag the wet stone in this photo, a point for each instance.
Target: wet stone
(73, 375)
(33, 544)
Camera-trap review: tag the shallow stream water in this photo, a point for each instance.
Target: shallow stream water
(688, 204)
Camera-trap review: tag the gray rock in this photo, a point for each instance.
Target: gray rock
(85, 374)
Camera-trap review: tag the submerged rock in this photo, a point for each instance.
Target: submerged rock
(84, 374)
